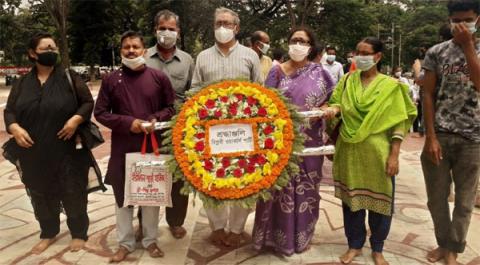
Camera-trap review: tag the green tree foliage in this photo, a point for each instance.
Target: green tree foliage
(94, 27)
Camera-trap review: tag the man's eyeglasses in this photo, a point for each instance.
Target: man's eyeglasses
(225, 24)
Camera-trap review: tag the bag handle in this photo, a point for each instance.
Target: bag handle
(154, 144)
(72, 85)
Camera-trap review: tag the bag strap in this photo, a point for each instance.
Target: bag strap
(154, 144)
(72, 85)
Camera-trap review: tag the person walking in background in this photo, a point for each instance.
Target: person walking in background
(277, 55)
(335, 68)
(227, 59)
(452, 122)
(261, 45)
(294, 210)
(376, 113)
(129, 97)
(43, 115)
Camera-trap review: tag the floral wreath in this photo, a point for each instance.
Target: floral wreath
(254, 136)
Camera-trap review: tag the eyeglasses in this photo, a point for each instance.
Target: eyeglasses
(299, 41)
(225, 24)
(165, 28)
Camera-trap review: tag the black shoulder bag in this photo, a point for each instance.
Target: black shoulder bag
(91, 138)
(88, 131)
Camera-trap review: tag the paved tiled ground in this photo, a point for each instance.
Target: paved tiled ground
(410, 238)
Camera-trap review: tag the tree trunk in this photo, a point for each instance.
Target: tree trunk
(293, 20)
(58, 10)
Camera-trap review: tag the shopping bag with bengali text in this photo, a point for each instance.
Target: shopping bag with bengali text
(148, 181)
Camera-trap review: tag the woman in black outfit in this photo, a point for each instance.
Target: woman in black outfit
(43, 115)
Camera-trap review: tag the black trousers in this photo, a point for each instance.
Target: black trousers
(176, 214)
(68, 192)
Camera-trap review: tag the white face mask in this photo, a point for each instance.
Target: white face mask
(364, 63)
(472, 26)
(298, 52)
(264, 48)
(331, 57)
(166, 38)
(349, 59)
(398, 74)
(133, 63)
(224, 35)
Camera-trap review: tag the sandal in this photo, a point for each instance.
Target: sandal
(120, 255)
(178, 231)
(154, 251)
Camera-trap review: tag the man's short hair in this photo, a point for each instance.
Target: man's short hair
(132, 34)
(221, 10)
(167, 15)
(331, 48)
(256, 36)
(463, 5)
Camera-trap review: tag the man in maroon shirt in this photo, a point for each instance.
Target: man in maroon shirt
(128, 97)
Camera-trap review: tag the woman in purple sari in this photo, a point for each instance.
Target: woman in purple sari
(287, 222)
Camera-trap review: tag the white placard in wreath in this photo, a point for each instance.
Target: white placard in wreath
(236, 137)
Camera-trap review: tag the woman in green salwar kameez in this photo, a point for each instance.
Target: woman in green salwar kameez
(376, 113)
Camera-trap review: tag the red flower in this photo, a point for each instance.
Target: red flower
(239, 97)
(218, 113)
(251, 101)
(210, 104)
(247, 111)
(268, 143)
(251, 168)
(220, 173)
(208, 165)
(203, 113)
(224, 99)
(200, 135)
(233, 110)
(252, 161)
(261, 160)
(225, 162)
(237, 173)
(199, 146)
(268, 129)
(262, 112)
(242, 163)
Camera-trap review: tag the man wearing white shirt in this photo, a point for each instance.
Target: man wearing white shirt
(335, 68)
(227, 59)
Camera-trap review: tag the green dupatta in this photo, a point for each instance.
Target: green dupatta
(379, 107)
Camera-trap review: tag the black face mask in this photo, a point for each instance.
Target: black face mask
(47, 58)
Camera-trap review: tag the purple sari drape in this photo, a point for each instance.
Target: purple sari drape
(287, 222)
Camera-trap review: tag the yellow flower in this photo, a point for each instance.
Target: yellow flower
(213, 95)
(222, 92)
(188, 143)
(202, 100)
(280, 123)
(272, 110)
(279, 144)
(267, 169)
(272, 157)
(190, 121)
(192, 156)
